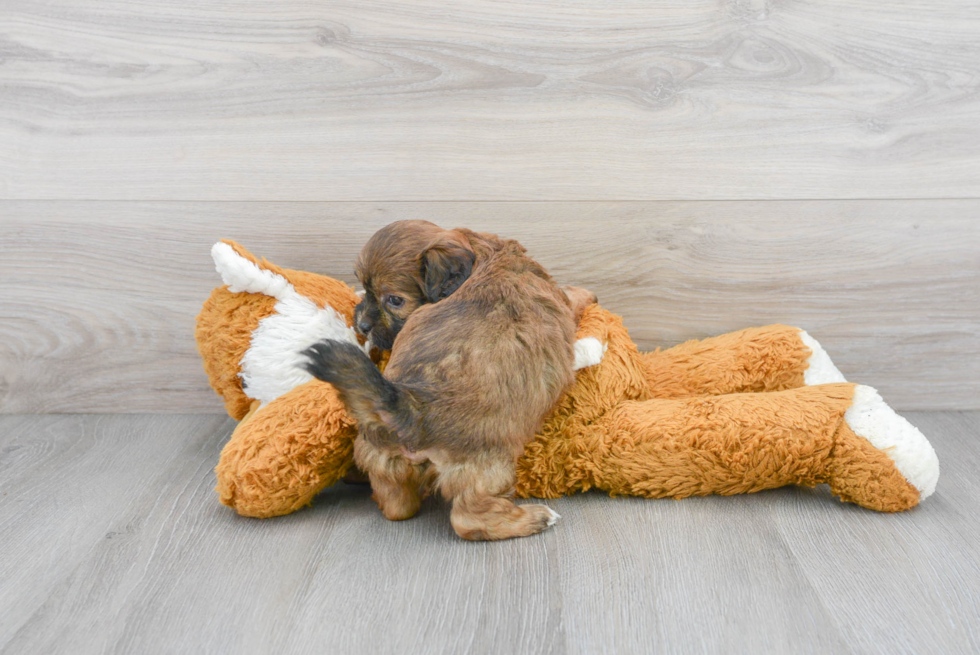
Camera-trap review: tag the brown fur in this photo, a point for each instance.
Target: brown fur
(579, 299)
(482, 349)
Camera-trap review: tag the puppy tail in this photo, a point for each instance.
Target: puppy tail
(372, 400)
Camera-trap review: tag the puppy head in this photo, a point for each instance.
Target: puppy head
(403, 266)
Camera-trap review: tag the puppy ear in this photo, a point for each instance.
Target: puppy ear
(445, 264)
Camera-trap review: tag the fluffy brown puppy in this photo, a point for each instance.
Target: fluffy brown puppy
(482, 347)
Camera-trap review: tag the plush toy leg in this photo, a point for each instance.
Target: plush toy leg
(771, 358)
(741, 443)
(286, 452)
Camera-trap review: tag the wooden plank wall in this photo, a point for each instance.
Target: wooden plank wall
(489, 100)
(100, 297)
(704, 166)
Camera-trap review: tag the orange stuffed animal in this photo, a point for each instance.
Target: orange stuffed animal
(751, 410)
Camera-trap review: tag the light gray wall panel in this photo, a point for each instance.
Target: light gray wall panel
(99, 298)
(542, 100)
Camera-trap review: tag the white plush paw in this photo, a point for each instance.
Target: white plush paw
(870, 417)
(588, 352)
(820, 369)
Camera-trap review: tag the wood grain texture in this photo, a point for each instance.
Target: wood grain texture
(114, 542)
(76, 487)
(99, 298)
(919, 567)
(393, 100)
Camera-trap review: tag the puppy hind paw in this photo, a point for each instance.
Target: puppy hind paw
(542, 517)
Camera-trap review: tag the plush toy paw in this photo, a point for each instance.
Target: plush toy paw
(880, 460)
(820, 369)
(872, 418)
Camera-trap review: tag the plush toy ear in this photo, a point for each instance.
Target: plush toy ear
(445, 264)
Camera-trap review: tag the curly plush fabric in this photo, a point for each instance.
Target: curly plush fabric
(281, 457)
(726, 415)
(229, 319)
(770, 358)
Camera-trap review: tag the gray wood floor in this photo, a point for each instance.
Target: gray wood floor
(112, 541)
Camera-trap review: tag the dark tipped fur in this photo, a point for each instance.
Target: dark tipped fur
(446, 263)
(373, 400)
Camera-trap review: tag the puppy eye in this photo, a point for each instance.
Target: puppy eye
(395, 301)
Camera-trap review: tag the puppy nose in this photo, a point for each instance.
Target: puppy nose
(364, 327)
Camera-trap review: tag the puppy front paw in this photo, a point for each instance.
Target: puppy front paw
(326, 359)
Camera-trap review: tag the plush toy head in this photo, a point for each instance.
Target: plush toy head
(295, 437)
(251, 330)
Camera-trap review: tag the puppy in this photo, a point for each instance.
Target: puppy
(482, 347)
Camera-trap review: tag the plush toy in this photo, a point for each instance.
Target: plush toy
(746, 411)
